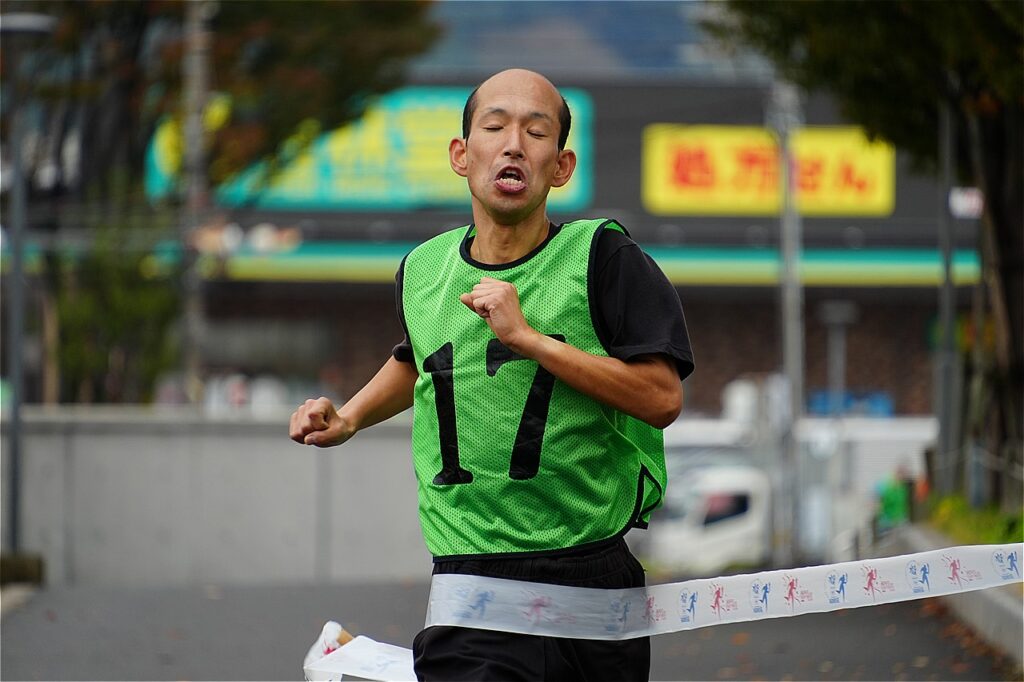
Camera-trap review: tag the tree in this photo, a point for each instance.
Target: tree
(891, 66)
(114, 308)
(116, 70)
(283, 71)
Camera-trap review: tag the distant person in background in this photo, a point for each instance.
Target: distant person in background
(894, 498)
(543, 361)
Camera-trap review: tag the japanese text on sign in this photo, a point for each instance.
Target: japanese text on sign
(734, 170)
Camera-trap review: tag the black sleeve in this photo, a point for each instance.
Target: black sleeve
(403, 351)
(636, 310)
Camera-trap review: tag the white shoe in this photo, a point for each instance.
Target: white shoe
(324, 644)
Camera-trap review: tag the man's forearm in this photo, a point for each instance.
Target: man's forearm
(647, 388)
(389, 392)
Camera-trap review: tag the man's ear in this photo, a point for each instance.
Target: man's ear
(457, 155)
(566, 165)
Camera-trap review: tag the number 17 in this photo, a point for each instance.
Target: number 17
(525, 457)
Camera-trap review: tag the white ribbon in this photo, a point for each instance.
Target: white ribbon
(588, 613)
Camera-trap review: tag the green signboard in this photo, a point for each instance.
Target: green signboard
(394, 158)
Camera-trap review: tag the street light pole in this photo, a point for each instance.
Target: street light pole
(11, 27)
(196, 90)
(784, 116)
(946, 354)
(837, 316)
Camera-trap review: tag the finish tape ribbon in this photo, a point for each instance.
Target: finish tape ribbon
(590, 613)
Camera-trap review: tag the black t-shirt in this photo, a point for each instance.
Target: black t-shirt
(638, 309)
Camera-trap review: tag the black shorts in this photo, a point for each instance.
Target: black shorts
(454, 653)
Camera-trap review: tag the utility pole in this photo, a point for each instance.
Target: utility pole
(17, 29)
(196, 90)
(784, 117)
(837, 316)
(946, 455)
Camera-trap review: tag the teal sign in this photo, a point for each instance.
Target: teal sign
(393, 158)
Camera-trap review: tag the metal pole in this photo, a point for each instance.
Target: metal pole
(16, 323)
(837, 316)
(13, 25)
(196, 89)
(836, 368)
(947, 454)
(785, 118)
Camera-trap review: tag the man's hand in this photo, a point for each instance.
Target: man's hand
(647, 387)
(316, 422)
(497, 303)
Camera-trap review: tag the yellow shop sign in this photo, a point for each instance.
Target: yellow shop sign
(734, 170)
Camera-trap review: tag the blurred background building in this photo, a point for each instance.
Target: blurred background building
(297, 273)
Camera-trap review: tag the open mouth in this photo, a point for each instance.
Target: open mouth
(510, 180)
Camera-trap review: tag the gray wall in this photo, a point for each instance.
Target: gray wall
(148, 497)
(137, 497)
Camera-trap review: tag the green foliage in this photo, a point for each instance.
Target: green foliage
(892, 67)
(114, 320)
(280, 63)
(110, 72)
(890, 64)
(988, 526)
(286, 63)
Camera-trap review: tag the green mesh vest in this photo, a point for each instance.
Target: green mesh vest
(509, 459)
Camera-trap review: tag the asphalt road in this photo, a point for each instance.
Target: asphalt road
(262, 633)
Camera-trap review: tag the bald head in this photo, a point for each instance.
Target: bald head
(519, 79)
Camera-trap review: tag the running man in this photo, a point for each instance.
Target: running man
(542, 362)
(765, 589)
(716, 605)
(954, 572)
(791, 596)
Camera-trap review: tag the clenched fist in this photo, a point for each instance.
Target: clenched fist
(316, 422)
(497, 302)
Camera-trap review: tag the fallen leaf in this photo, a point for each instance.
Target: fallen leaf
(740, 638)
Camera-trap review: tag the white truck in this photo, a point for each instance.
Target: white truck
(717, 515)
(717, 511)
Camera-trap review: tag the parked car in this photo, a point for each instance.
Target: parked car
(717, 514)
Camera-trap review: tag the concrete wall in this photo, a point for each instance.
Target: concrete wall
(141, 496)
(135, 497)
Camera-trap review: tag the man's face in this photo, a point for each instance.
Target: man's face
(511, 157)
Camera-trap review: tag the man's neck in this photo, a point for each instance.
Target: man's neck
(496, 244)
